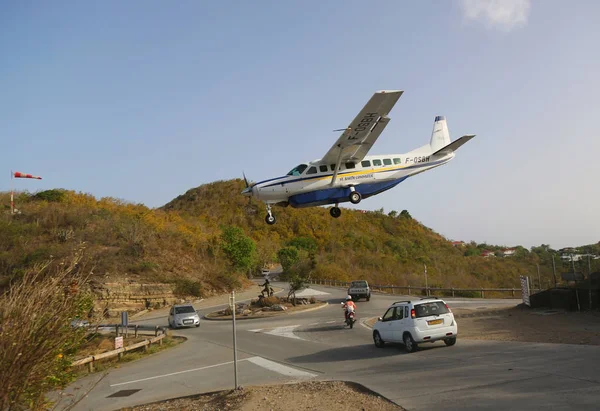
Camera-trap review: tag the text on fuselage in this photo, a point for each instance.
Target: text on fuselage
(417, 160)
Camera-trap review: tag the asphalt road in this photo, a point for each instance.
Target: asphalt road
(316, 345)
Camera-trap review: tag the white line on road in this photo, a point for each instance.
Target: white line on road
(280, 368)
(330, 322)
(256, 331)
(178, 372)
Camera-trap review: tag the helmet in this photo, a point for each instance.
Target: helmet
(348, 297)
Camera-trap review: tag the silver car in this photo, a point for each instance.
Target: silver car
(183, 315)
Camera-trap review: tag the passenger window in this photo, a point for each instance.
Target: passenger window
(323, 169)
(399, 312)
(350, 165)
(332, 167)
(396, 161)
(387, 161)
(406, 312)
(365, 163)
(389, 314)
(376, 162)
(312, 170)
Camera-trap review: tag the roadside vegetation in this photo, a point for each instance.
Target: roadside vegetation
(37, 342)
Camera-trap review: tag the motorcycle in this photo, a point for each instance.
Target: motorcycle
(350, 316)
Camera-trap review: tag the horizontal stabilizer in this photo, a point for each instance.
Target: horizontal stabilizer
(455, 144)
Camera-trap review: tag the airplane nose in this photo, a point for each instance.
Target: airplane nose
(247, 192)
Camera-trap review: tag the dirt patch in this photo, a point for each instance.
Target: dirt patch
(526, 325)
(314, 395)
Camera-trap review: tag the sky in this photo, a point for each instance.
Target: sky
(143, 100)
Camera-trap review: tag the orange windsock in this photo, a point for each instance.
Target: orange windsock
(18, 174)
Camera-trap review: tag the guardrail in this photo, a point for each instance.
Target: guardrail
(395, 289)
(119, 352)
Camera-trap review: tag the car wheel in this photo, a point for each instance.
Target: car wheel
(450, 341)
(197, 325)
(409, 343)
(379, 343)
(369, 297)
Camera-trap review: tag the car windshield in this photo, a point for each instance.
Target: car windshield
(358, 284)
(296, 171)
(184, 310)
(433, 308)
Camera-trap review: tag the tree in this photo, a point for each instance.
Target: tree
(288, 256)
(405, 214)
(239, 248)
(393, 214)
(303, 243)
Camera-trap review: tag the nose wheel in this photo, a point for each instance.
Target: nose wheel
(270, 218)
(335, 212)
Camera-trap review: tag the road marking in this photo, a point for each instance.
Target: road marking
(279, 368)
(330, 322)
(178, 372)
(285, 332)
(256, 331)
(309, 292)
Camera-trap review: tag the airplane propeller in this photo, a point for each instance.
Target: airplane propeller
(248, 189)
(342, 129)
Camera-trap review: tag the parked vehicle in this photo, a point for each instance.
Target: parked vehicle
(359, 289)
(414, 322)
(183, 315)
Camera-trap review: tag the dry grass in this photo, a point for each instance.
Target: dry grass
(36, 338)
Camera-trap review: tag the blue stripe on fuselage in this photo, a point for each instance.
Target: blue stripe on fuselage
(340, 194)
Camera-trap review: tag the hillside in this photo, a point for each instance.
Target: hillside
(383, 248)
(182, 242)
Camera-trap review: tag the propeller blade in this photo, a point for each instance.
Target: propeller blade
(245, 179)
(342, 129)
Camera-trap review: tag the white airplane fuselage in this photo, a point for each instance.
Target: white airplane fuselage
(346, 173)
(307, 190)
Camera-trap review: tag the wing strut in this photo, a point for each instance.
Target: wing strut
(337, 167)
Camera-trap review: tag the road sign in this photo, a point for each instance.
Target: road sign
(118, 342)
(525, 290)
(124, 318)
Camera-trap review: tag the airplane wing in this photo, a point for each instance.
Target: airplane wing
(356, 141)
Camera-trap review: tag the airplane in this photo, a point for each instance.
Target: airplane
(345, 173)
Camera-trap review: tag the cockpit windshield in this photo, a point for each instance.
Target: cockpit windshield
(296, 171)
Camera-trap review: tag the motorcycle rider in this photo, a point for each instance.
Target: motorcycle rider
(349, 303)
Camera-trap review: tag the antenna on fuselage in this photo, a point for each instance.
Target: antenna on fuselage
(343, 129)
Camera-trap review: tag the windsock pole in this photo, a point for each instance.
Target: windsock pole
(12, 198)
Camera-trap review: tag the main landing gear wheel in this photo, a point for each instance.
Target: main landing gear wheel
(355, 197)
(335, 212)
(270, 218)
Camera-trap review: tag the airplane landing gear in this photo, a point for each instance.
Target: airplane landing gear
(355, 196)
(335, 212)
(270, 218)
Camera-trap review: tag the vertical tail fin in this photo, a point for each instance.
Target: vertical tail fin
(440, 137)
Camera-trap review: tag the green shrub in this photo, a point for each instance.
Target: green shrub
(54, 196)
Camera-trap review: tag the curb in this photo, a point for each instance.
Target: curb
(364, 323)
(266, 317)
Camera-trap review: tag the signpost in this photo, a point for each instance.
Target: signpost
(525, 290)
(232, 305)
(125, 321)
(118, 342)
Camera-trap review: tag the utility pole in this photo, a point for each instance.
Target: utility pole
(554, 270)
(576, 287)
(590, 281)
(426, 287)
(232, 304)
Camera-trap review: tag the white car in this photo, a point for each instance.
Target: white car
(413, 322)
(183, 315)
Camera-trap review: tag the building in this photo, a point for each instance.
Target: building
(509, 252)
(487, 253)
(458, 243)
